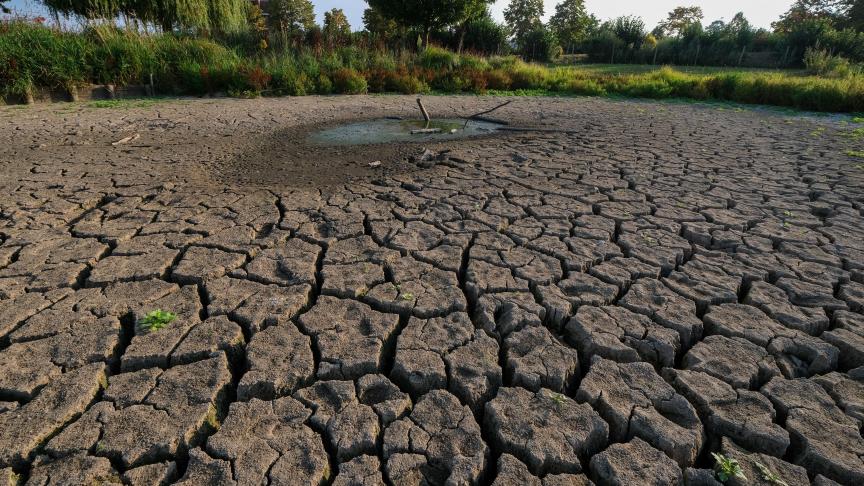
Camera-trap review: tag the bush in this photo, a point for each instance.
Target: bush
(437, 58)
(349, 81)
(823, 63)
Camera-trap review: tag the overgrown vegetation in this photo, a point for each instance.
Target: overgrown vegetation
(37, 56)
(156, 320)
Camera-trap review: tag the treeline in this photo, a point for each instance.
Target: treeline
(831, 27)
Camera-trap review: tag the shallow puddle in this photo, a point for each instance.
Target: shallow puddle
(390, 130)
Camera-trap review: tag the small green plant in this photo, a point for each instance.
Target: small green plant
(558, 398)
(768, 475)
(856, 153)
(726, 468)
(407, 296)
(156, 320)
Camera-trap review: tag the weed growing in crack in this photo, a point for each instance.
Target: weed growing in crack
(558, 398)
(726, 468)
(156, 320)
(407, 296)
(768, 475)
(856, 153)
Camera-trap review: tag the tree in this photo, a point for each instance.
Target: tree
(475, 10)
(571, 23)
(804, 11)
(523, 17)
(4, 8)
(336, 26)
(631, 30)
(379, 25)
(204, 16)
(679, 20)
(425, 15)
(854, 15)
(292, 18)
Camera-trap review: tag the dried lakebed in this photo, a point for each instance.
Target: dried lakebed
(610, 304)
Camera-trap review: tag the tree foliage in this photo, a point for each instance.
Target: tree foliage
(679, 20)
(425, 15)
(3, 7)
(291, 17)
(571, 22)
(201, 15)
(336, 26)
(523, 17)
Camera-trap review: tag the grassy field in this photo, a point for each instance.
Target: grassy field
(33, 56)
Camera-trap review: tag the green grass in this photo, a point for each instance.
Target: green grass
(122, 103)
(33, 56)
(156, 320)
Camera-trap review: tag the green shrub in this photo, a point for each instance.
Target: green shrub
(349, 81)
(437, 58)
(823, 63)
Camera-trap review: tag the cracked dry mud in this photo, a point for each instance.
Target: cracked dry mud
(607, 306)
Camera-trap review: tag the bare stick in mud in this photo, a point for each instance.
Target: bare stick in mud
(423, 110)
(479, 116)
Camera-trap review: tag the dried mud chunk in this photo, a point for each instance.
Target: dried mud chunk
(421, 348)
(503, 313)
(269, 441)
(580, 289)
(23, 429)
(350, 336)
(200, 264)
(439, 443)
(278, 360)
(256, 306)
(203, 469)
(211, 336)
(853, 294)
(152, 265)
(774, 302)
(351, 427)
(548, 431)
(621, 335)
(73, 470)
(153, 346)
(745, 416)
(637, 402)
(473, 370)
(358, 250)
(848, 337)
(656, 247)
(796, 353)
(789, 474)
(704, 293)
(160, 474)
(155, 414)
(28, 366)
(419, 289)
(360, 471)
(824, 439)
(485, 278)
(15, 311)
(810, 295)
(847, 393)
(624, 271)
(122, 298)
(512, 471)
(635, 462)
(8, 477)
(653, 299)
(384, 397)
(536, 359)
(351, 281)
(290, 264)
(736, 361)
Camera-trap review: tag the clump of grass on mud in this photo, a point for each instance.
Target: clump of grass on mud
(726, 468)
(156, 320)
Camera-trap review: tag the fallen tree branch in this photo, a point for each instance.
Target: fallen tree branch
(479, 116)
(422, 131)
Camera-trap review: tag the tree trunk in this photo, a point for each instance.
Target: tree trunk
(461, 40)
(741, 57)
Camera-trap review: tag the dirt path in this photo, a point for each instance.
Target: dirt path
(616, 303)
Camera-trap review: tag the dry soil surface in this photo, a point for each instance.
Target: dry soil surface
(611, 304)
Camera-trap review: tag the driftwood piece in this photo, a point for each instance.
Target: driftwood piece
(479, 116)
(422, 131)
(423, 110)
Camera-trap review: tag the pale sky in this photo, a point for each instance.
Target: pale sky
(760, 12)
